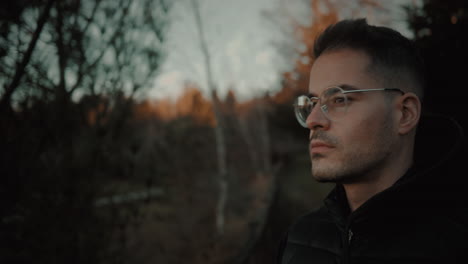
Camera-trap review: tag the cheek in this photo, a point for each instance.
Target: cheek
(364, 132)
(368, 125)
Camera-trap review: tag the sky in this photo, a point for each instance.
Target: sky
(247, 41)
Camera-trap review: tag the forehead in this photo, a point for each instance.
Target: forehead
(341, 67)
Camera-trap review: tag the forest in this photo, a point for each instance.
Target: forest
(91, 173)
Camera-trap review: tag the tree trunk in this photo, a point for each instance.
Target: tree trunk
(218, 128)
(265, 138)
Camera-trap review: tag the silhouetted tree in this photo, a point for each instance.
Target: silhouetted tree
(68, 72)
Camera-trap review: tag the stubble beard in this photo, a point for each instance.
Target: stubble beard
(353, 167)
(355, 163)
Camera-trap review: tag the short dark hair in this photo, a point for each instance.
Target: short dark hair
(394, 57)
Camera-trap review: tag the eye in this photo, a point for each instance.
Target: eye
(338, 100)
(312, 104)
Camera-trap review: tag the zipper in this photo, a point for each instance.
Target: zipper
(347, 244)
(350, 236)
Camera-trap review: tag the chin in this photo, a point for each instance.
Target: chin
(325, 180)
(332, 172)
(321, 175)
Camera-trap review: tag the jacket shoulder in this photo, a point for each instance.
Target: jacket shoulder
(315, 225)
(313, 236)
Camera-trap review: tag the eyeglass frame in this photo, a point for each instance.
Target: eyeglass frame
(317, 99)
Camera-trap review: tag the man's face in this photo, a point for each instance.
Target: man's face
(355, 147)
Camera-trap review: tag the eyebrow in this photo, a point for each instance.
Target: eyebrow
(348, 87)
(344, 86)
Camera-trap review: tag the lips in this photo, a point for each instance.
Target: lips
(319, 146)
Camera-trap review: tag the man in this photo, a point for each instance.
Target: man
(396, 199)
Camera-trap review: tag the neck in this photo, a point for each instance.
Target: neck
(377, 181)
(358, 193)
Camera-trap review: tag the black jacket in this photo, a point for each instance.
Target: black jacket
(422, 218)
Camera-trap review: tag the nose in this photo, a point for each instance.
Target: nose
(317, 120)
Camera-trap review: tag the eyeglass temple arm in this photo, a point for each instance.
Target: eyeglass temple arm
(370, 90)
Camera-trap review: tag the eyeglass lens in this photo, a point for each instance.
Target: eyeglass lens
(333, 103)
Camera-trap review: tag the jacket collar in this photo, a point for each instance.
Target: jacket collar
(440, 144)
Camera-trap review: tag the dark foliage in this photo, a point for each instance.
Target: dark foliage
(440, 29)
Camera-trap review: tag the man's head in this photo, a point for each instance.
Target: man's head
(365, 130)
(394, 59)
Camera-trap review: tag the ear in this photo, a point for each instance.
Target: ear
(410, 109)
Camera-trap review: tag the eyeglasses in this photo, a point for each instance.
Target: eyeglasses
(333, 102)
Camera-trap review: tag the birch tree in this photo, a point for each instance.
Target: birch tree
(218, 128)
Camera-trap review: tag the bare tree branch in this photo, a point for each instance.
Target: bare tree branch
(62, 57)
(6, 98)
(82, 71)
